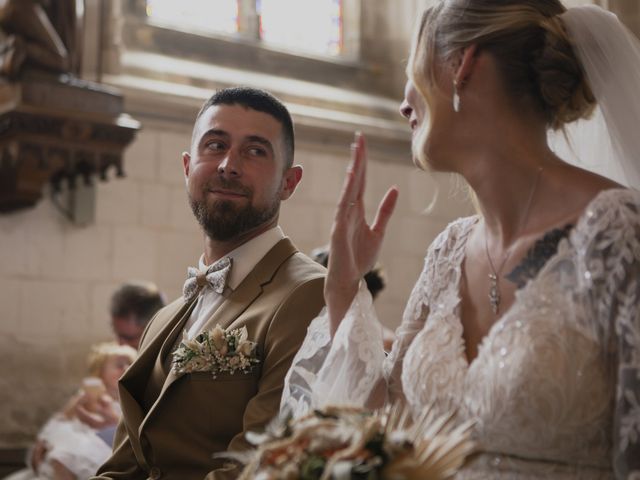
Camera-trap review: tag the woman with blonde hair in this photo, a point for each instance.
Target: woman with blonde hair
(525, 317)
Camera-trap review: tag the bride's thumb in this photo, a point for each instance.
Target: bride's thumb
(385, 210)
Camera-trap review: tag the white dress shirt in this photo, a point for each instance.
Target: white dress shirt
(244, 259)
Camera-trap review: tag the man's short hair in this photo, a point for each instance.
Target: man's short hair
(142, 299)
(260, 101)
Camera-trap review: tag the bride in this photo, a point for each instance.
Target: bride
(525, 317)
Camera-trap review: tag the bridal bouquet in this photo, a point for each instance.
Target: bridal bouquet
(216, 351)
(346, 443)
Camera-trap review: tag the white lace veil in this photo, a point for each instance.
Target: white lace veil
(609, 143)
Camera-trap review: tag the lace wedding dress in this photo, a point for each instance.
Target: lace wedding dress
(555, 388)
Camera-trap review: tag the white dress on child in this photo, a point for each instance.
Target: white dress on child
(72, 443)
(555, 388)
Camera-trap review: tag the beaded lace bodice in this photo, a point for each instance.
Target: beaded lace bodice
(555, 388)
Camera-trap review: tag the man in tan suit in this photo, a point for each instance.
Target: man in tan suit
(239, 168)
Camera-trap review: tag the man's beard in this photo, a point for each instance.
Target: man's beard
(223, 220)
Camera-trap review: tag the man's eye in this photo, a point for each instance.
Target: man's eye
(215, 146)
(257, 151)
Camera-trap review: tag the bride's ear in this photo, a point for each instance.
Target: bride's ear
(464, 64)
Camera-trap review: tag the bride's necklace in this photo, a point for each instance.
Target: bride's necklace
(494, 286)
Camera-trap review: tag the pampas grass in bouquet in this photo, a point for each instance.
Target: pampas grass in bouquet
(344, 443)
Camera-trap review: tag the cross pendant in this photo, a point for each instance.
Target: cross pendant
(494, 293)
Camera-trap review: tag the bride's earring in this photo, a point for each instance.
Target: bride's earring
(456, 97)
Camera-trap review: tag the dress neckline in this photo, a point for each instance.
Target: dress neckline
(460, 256)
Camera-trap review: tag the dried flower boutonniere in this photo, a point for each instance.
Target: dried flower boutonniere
(216, 351)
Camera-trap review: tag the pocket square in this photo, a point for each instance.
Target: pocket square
(216, 351)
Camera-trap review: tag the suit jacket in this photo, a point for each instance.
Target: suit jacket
(173, 423)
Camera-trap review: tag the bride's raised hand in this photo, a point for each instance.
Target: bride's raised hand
(354, 245)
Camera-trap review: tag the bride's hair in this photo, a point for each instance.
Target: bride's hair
(528, 42)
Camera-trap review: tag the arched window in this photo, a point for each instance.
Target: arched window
(313, 26)
(300, 26)
(168, 55)
(219, 16)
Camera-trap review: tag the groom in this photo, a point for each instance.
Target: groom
(239, 169)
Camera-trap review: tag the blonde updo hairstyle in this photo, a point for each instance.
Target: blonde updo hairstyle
(529, 44)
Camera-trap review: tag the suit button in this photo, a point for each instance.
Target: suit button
(155, 473)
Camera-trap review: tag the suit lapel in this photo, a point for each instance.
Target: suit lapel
(134, 383)
(251, 287)
(239, 300)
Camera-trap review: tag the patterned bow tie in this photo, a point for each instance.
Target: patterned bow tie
(215, 276)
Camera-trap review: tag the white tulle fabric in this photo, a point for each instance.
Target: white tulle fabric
(609, 53)
(555, 388)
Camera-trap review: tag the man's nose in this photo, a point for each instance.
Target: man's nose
(230, 165)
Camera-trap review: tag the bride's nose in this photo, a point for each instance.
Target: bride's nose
(405, 109)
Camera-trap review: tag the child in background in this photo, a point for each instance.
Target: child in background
(68, 448)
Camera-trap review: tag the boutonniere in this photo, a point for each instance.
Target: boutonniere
(216, 351)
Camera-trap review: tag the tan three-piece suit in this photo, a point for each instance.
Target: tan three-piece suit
(173, 423)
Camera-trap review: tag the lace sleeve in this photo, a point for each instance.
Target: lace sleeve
(627, 414)
(624, 288)
(344, 371)
(613, 267)
(352, 369)
(413, 321)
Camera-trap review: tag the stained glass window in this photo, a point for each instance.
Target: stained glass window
(313, 26)
(220, 16)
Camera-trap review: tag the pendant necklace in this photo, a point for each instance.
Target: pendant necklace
(494, 276)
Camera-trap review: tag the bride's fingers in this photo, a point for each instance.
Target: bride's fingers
(361, 152)
(347, 193)
(385, 210)
(353, 179)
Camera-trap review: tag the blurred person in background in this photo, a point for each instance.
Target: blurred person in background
(66, 447)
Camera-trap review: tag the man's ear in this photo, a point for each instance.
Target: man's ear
(464, 65)
(186, 161)
(290, 181)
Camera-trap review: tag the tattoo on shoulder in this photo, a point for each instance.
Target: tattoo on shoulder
(544, 248)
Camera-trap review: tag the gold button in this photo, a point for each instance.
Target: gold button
(155, 473)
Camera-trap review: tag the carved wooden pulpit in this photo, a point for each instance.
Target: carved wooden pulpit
(55, 129)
